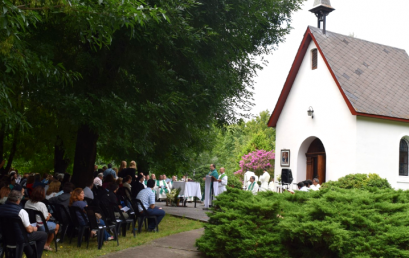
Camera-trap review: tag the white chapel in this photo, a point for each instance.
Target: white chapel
(344, 108)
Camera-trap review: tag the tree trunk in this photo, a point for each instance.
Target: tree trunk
(2, 136)
(85, 155)
(60, 163)
(13, 149)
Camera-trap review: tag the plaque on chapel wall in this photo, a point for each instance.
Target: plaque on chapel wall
(285, 158)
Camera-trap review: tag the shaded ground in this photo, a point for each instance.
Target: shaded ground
(174, 246)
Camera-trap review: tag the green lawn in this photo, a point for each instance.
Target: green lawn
(169, 225)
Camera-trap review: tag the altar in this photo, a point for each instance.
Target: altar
(188, 189)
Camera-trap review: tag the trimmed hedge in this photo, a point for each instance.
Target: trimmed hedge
(333, 222)
(359, 181)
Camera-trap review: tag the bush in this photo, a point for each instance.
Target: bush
(332, 222)
(359, 181)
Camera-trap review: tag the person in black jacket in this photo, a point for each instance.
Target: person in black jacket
(137, 186)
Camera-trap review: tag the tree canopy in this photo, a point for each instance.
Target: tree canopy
(130, 79)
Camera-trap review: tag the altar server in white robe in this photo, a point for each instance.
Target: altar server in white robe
(264, 179)
(253, 186)
(171, 182)
(247, 177)
(222, 181)
(162, 188)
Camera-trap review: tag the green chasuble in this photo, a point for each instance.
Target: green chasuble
(214, 173)
(251, 186)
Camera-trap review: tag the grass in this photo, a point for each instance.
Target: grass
(170, 225)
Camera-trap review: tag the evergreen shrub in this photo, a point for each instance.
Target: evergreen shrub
(359, 181)
(332, 222)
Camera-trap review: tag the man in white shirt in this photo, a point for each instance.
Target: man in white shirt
(264, 179)
(12, 207)
(302, 187)
(98, 180)
(253, 186)
(315, 184)
(222, 181)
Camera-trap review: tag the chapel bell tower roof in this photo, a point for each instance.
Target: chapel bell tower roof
(321, 9)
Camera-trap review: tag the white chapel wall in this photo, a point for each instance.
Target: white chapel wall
(378, 149)
(333, 123)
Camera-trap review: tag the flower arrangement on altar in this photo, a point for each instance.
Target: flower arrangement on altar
(173, 197)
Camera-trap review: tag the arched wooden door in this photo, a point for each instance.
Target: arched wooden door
(316, 161)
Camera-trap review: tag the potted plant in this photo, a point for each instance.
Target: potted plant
(170, 196)
(176, 199)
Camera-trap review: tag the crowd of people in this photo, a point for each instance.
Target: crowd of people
(118, 188)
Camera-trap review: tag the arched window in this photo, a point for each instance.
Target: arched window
(403, 158)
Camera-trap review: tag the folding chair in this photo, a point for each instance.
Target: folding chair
(32, 215)
(145, 217)
(16, 239)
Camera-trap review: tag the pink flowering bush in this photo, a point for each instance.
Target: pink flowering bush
(257, 161)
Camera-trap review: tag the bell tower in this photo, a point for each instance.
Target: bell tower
(321, 9)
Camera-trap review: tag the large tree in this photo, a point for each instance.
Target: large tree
(152, 91)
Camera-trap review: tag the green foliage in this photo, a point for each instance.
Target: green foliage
(231, 142)
(359, 181)
(332, 222)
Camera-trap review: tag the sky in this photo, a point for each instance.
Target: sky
(383, 22)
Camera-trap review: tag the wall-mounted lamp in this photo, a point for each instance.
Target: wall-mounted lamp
(310, 112)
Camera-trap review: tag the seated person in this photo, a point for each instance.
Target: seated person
(77, 199)
(127, 184)
(53, 189)
(301, 187)
(308, 184)
(4, 193)
(315, 184)
(138, 186)
(88, 189)
(63, 199)
(113, 200)
(35, 203)
(107, 180)
(253, 186)
(12, 208)
(147, 197)
(98, 180)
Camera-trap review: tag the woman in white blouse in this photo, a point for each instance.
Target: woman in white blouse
(34, 203)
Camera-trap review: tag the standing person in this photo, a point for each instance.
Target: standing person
(35, 203)
(264, 179)
(253, 186)
(131, 171)
(121, 168)
(222, 181)
(147, 197)
(213, 172)
(110, 171)
(214, 175)
(12, 209)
